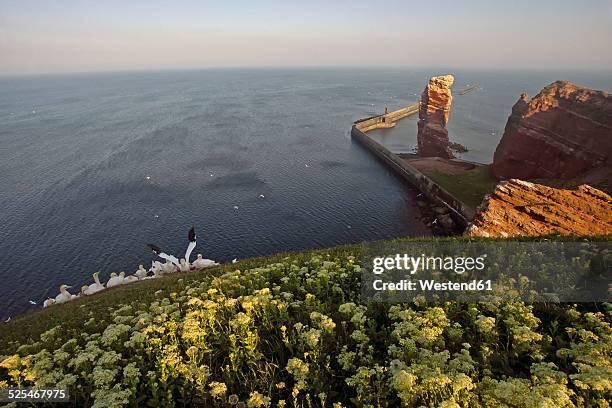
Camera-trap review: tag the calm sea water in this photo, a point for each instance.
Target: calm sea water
(95, 166)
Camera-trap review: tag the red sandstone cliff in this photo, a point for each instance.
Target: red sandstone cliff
(433, 116)
(519, 208)
(565, 132)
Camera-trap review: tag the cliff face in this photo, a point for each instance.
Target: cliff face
(565, 132)
(519, 208)
(434, 109)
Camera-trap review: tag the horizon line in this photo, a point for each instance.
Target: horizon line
(448, 69)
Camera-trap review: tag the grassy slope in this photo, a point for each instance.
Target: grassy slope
(255, 332)
(469, 187)
(72, 315)
(28, 327)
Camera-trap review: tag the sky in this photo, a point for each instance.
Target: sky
(45, 36)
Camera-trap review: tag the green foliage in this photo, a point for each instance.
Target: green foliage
(469, 187)
(292, 331)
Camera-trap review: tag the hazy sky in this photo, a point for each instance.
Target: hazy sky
(39, 36)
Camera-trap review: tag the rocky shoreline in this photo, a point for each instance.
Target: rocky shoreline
(551, 146)
(521, 208)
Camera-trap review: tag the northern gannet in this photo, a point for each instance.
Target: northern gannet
(191, 237)
(64, 295)
(184, 265)
(122, 277)
(201, 263)
(141, 273)
(130, 279)
(170, 267)
(115, 280)
(97, 286)
(169, 258)
(157, 268)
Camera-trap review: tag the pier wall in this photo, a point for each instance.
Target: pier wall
(387, 120)
(460, 213)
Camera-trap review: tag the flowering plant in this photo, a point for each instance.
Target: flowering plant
(294, 332)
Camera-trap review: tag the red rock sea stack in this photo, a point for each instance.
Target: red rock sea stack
(565, 132)
(434, 109)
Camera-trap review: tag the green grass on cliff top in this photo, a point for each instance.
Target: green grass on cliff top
(469, 187)
(71, 316)
(291, 330)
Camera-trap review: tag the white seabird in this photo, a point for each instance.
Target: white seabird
(115, 280)
(169, 258)
(121, 278)
(191, 236)
(141, 273)
(130, 279)
(48, 302)
(157, 268)
(184, 265)
(32, 302)
(170, 267)
(202, 263)
(95, 287)
(64, 295)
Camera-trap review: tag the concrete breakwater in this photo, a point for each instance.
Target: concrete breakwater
(460, 213)
(386, 120)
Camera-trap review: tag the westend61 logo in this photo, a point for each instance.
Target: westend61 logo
(411, 264)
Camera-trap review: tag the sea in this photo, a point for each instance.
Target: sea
(95, 166)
